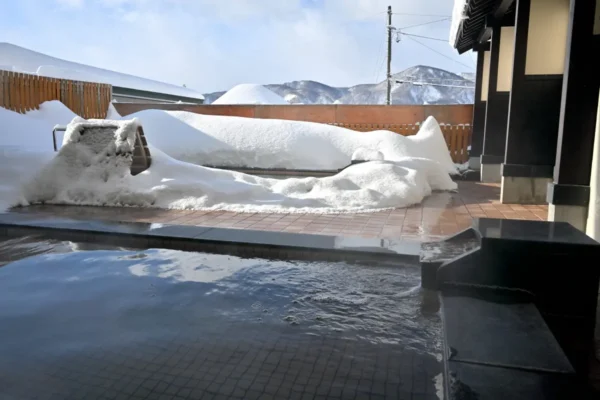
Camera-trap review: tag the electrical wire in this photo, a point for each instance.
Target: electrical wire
(424, 37)
(441, 54)
(378, 63)
(423, 15)
(425, 23)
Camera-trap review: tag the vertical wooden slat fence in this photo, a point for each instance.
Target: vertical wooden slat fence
(458, 137)
(25, 92)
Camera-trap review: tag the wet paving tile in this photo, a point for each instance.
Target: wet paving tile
(439, 215)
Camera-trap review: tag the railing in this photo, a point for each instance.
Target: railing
(458, 137)
(25, 92)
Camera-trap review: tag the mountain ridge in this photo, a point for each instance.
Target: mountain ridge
(421, 85)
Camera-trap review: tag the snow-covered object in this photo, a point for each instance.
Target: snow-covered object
(249, 93)
(32, 62)
(458, 15)
(362, 154)
(93, 169)
(93, 154)
(271, 143)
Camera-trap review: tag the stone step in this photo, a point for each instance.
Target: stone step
(497, 346)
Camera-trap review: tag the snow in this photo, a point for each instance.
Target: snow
(458, 15)
(249, 93)
(93, 169)
(112, 112)
(26, 146)
(269, 143)
(362, 154)
(24, 60)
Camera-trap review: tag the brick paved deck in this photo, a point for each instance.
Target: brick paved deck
(441, 214)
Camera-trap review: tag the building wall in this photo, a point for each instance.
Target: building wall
(547, 37)
(485, 79)
(505, 62)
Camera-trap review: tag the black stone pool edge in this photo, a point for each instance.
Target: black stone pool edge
(238, 242)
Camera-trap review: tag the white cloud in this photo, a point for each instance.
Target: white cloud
(215, 44)
(71, 3)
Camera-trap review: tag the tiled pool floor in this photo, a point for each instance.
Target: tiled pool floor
(172, 325)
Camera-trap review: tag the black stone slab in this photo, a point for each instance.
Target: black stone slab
(502, 334)
(200, 238)
(479, 382)
(556, 233)
(554, 262)
(434, 254)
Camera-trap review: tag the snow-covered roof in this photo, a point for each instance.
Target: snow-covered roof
(20, 59)
(249, 93)
(458, 15)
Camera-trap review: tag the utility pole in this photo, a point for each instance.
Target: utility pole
(389, 58)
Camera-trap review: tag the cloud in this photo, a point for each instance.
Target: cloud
(214, 44)
(70, 3)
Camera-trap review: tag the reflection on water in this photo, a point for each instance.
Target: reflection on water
(98, 309)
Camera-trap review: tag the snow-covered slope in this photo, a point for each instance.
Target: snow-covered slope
(409, 93)
(93, 170)
(248, 93)
(20, 59)
(311, 92)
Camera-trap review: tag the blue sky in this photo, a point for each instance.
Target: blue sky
(215, 44)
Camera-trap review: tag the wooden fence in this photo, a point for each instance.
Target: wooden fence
(24, 92)
(458, 137)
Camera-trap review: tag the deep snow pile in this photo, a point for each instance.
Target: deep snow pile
(269, 143)
(26, 146)
(248, 93)
(93, 169)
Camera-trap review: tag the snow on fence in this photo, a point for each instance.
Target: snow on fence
(24, 92)
(458, 137)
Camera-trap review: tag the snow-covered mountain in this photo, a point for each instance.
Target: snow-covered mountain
(420, 85)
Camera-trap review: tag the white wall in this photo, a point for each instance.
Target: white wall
(547, 37)
(593, 222)
(506, 58)
(485, 80)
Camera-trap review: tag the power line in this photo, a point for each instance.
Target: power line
(425, 23)
(425, 83)
(423, 37)
(441, 54)
(423, 15)
(379, 60)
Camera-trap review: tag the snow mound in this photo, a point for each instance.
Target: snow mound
(363, 154)
(26, 146)
(93, 168)
(269, 143)
(248, 93)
